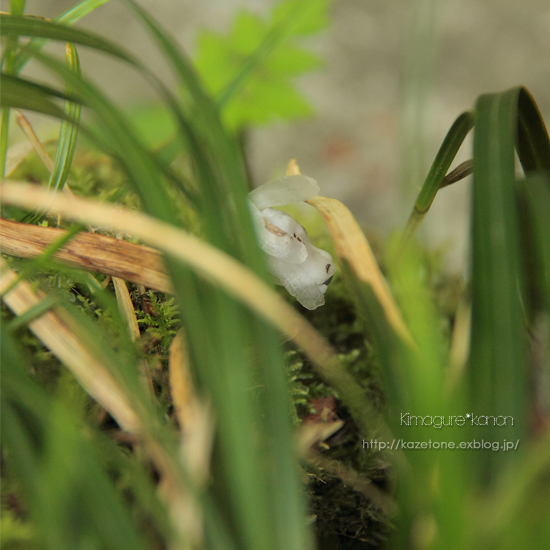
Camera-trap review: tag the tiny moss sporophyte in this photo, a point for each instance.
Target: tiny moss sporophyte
(303, 269)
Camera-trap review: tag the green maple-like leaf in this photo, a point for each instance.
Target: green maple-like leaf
(268, 92)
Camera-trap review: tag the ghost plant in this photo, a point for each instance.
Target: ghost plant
(303, 269)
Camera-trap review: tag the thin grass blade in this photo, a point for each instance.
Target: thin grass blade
(497, 367)
(72, 15)
(441, 164)
(68, 133)
(533, 143)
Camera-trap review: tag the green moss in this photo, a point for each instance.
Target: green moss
(343, 515)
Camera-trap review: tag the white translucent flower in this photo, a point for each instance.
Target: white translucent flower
(304, 270)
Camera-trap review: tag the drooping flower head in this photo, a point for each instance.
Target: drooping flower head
(303, 269)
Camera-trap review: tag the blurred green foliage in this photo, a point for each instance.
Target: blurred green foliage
(269, 92)
(72, 478)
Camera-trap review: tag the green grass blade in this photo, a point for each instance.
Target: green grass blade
(17, 7)
(139, 162)
(42, 441)
(78, 11)
(497, 368)
(4, 128)
(72, 15)
(210, 344)
(533, 143)
(221, 173)
(22, 94)
(275, 36)
(24, 26)
(537, 192)
(269, 513)
(68, 133)
(441, 164)
(34, 312)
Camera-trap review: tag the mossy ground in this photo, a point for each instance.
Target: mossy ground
(344, 517)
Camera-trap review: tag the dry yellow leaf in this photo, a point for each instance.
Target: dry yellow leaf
(352, 245)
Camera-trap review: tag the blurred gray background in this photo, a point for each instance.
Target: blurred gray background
(397, 73)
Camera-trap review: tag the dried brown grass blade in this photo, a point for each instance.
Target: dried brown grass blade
(207, 260)
(53, 330)
(132, 262)
(181, 382)
(126, 307)
(213, 264)
(16, 155)
(28, 130)
(359, 483)
(315, 432)
(352, 245)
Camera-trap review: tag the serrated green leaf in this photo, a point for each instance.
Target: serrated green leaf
(212, 61)
(312, 19)
(235, 65)
(247, 33)
(287, 59)
(264, 101)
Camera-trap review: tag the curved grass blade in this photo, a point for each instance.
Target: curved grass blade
(276, 34)
(24, 26)
(204, 132)
(215, 265)
(537, 193)
(72, 15)
(204, 258)
(47, 449)
(73, 339)
(22, 94)
(17, 7)
(68, 133)
(351, 245)
(269, 514)
(139, 163)
(533, 143)
(497, 369)
(445, 156)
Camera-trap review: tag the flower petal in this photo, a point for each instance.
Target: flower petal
(285, 190)
(306, 281)
(298, 282)
(281, 241)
